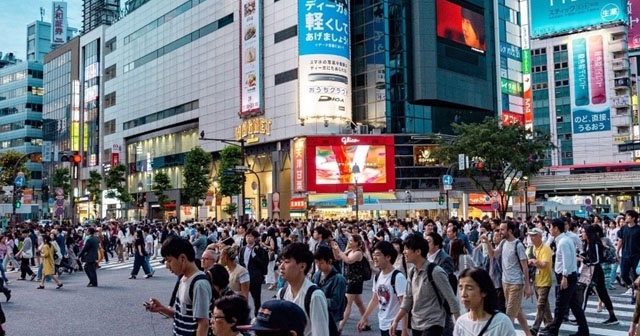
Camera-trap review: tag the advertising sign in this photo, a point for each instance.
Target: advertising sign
(460, 25)
(423, 155)
(588, 83)
(251, 58)
(59, 23)
(510, 118)
(75, 115)
(299, 174)
(511, 87)
(552, 17)
(324, 64)
(331, 160)
(634, 23)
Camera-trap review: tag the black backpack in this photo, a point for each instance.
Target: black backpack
(444, 304)
(393, 280)
(366, 268)
(333, 326)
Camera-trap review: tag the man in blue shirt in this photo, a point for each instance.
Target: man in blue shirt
(566, 269)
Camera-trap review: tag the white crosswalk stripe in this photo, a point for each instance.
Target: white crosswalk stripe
(622, 307)
(111, 265)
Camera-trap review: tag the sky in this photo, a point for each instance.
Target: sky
(15, 15)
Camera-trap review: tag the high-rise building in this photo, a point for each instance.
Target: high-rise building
(39, 40)
(99, 12)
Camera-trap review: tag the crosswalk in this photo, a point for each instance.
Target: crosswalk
(113, 264)
(622, 307)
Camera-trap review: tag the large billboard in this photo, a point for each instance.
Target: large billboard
(634, 23)
(461, 25)
(330, 162)
(59, 23)
(250, 58)
(589, 82)
(553, 17)
(324, 64)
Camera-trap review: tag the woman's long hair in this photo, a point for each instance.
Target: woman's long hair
(46, 239)
(482, 278)
(456, 249)
(358, 239)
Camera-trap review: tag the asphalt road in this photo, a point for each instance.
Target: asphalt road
(115, 307)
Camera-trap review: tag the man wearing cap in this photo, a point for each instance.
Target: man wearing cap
(542, 282)
(278, 318)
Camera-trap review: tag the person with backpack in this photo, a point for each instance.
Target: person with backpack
(428, 292)
(438, 256)
(191, 310)
(479, 298)
(332, 283)
(389, 287)
(295, 263)
(354, 271)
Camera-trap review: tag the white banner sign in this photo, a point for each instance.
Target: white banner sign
(59, 23)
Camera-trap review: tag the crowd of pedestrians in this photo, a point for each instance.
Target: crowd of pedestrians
(429, 277)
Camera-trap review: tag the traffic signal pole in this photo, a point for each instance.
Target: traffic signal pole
(14, 198)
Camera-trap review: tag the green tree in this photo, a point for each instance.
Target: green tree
(196, 169)
(95, 190)
(161, 183)
(230, 209)
(116, 184)
(501, 156)
(8, 161)
(62, 179)
(230, 184)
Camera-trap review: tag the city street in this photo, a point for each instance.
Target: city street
(115, 307)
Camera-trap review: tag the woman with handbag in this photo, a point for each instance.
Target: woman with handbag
(48, 254)
(353, 270)
(592, 257)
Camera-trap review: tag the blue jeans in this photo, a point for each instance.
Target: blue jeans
(138, 262)
(2, 271)
(146, 260)
(613, 273)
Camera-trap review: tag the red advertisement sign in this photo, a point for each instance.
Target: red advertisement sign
(510, 118)
(331, 162)
(297, 203)
(115, 159)
(298, 156)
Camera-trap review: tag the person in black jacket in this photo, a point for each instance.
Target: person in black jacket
(89, 254)
(255, 259)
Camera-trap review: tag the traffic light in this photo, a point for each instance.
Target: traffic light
(263, 202)
(441, 200)
(17, 198)
(72, 157)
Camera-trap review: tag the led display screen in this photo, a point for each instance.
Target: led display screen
(460, 25)
(552, 17)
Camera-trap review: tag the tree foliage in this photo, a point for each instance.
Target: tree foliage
(116, 183)
(94, 186)
(230, 184)
(161, 183)
(230, 209)
(8, 161)
(62, 179)
(500, 156)
(196, 175)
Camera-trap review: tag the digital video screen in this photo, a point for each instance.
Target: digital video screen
(460, 25)
(334, 164)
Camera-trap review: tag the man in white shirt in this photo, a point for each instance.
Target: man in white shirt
(296, 260)
(389, 287)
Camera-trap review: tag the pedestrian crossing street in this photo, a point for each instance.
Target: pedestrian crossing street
(113, 264)
(621, 305)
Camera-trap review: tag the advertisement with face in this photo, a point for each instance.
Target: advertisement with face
(250, 58)
(332, 160)
(461, 25)
(324, 66)
(552, 17)
(588, 82)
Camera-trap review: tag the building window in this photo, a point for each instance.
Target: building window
(286, 76)
(109, 100)
(109, 127)
(285, 34)
(110, 73)
(110, 46)
(623, 129)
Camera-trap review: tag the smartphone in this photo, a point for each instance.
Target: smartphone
(146, 305)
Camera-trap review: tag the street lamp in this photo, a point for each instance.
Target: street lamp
(526, 197)
(355, 170)
(140, 186)
(240, 143)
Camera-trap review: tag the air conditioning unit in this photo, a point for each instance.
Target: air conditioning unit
(363, 129)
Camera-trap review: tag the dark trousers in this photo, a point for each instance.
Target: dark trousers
(386, 333)
(628, 269)
(433, 331)
(568, 299)
(138, 262)
(601, 290)
(90, 270)
(25, 268)
(255, 288)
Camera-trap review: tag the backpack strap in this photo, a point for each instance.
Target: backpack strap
(172, 301)
(486, 326)
(433, 284)
(394, 273)
(281, 292)
(307, 299)
(197, 277)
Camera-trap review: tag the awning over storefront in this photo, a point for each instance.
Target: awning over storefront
(482, 207)
(336, 200)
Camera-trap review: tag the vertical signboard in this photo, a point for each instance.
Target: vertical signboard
(59, 23)
(588, 83)
(634, 23)
(527, 95)
(299, 165)
(75, 116)
(251, 82)
(46, 151)
(324, 64)
(115, 155)
(555, 17)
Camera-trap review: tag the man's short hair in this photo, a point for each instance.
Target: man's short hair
(175, 246)
(300, 253)
(558, 223)
(255, 234)
(387, 250)
(436, 238)
(322, 231)
(416, 241)
(324, 253)
(633, 214)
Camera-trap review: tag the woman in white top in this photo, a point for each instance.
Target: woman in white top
(479, 297)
